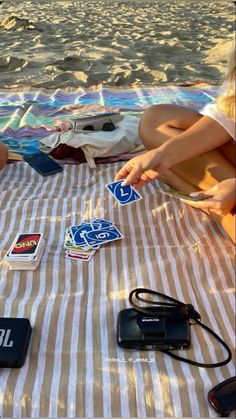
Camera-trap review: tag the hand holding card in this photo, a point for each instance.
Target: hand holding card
(182, 195)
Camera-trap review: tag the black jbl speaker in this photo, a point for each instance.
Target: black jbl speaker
(14, 341)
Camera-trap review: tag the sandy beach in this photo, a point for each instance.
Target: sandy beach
(143, 42)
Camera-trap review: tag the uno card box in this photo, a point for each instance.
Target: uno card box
(14, 341)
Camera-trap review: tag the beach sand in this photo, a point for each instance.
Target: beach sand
(60, 43)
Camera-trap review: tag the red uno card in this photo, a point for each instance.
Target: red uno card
(78, 257)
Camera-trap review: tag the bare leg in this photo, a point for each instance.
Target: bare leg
(161, 122)
(3, 155)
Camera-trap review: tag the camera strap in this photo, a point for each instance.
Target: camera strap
(184, 311)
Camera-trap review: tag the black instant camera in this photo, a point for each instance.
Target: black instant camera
(163, 326)
(163, 329)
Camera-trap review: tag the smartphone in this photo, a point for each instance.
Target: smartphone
(182, 195)
(43, 163)
(223, 397)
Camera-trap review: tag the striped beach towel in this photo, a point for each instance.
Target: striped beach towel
(74, 367)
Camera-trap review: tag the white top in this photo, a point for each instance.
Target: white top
(227, 123)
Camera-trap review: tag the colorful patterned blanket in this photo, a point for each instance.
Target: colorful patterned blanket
(27, 114)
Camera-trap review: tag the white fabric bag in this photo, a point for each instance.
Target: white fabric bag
(123, 139)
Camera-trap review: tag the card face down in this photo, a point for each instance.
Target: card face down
(25, 252)
(123, 194)
(25, 245)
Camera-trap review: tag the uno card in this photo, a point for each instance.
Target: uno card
(103, 223)
(123, 194)
(21, 258)
(183, 195)
(17, 263)
(25, 246)
(98, 237)
(78, 232)
(78, 257)
(81, 251)
(68, 242)
(96, 226)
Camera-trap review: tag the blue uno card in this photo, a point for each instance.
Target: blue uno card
(78, 232)
(98, 237)
(95, 225)
(102, 223)
(123, 194)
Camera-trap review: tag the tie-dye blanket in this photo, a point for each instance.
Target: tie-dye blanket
(27, 114)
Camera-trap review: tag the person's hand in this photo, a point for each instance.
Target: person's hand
(222, 198)
(143, 169)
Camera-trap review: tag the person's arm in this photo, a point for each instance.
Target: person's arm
(3, 155)
(203, 136)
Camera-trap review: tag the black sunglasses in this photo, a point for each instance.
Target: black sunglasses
(107, 126)
(223, 397)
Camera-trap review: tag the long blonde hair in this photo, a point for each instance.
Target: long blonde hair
(226, 103)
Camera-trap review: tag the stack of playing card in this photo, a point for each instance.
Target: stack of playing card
(25, 252)
(82, 240)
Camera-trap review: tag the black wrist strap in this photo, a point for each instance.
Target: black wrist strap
(188, 311)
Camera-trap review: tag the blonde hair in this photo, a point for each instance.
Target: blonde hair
(226, 103)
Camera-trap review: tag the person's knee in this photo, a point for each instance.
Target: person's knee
(153, 116)
(151, 119)
(161, 122)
